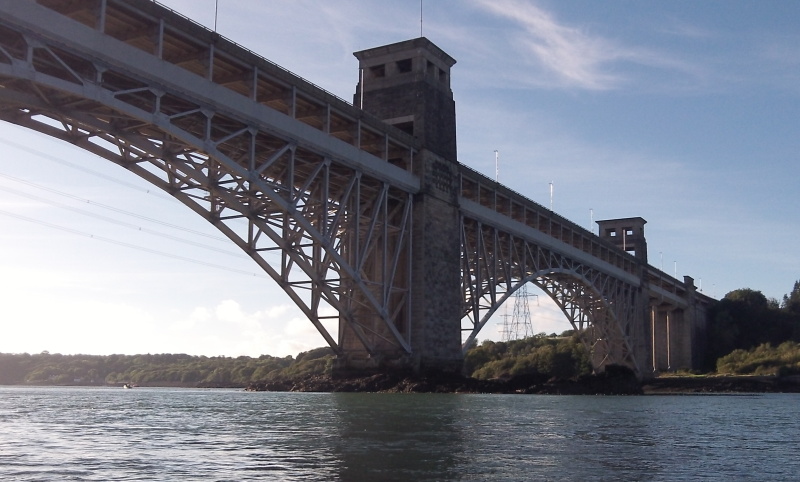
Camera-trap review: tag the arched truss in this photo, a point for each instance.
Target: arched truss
(495, 263)
(334, 237)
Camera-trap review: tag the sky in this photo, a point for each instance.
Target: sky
(684, 113)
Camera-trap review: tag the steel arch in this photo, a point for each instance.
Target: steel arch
(328, 232)
(495, 263)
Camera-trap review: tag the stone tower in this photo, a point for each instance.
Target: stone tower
(627, 234)
(407, 84)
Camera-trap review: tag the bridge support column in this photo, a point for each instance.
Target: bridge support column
(671, 339)
(436, 268)
(434, 333)
(696, 325)
(660, 334)
(407, 84)
(641, 332)
(678, 333)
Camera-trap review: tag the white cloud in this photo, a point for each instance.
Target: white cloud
(575, 57)
(554, 54)
(684, 30)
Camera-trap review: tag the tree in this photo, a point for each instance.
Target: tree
(541, 356)
(791, 302)
(745, 318)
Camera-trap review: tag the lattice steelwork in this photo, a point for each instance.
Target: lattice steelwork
(293, 191)
(607, 310)
(520, 326)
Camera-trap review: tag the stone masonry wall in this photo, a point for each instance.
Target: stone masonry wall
(436, 267)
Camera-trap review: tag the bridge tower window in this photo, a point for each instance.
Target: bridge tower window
(404, 66)
(378, 71)
(407, 127)
(431, 68)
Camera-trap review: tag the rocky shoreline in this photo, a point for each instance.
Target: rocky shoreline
(612, 382)
(721, 384)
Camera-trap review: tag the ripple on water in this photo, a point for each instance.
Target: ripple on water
(168, 434)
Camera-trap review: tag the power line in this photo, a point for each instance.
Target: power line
(129, 245)
(77, 167)
(121, 223)
(112, 208)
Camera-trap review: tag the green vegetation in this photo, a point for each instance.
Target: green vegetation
(561, 357)
(763, 360)
(157, 370)
(548, 356)
(745, 319)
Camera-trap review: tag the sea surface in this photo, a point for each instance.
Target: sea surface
(107, 434)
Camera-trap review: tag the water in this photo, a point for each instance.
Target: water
(54, 433)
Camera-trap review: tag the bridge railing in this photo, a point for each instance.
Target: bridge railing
(503, 200)
(175, 38)
(490, 194)
(251, 52)
(664, 287)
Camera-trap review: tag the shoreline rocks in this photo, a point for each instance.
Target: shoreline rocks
(614, 381)
(721, 384)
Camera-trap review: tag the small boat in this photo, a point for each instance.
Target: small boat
(127, 386)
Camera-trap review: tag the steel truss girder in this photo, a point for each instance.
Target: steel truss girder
(495, 263)
(307, 219)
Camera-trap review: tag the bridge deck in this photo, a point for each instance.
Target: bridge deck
(170, 36)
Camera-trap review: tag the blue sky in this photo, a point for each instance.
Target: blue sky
(684, 113)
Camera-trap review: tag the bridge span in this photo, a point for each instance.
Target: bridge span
(359, 209)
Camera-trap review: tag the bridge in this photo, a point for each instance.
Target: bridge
(360, 212)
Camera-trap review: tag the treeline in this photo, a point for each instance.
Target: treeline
(563, 357)
(547, 356)
(157, 370)
(744, 320)
(781, 360)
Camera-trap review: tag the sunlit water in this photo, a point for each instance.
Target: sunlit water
(178, 434)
